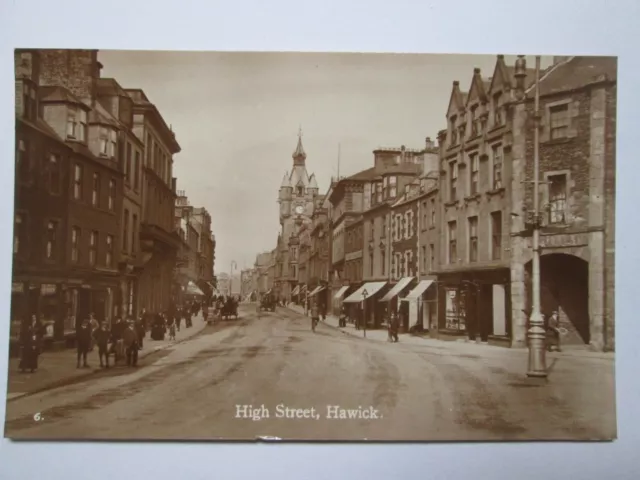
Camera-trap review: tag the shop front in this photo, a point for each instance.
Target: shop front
(390, 301)
(422, 303)
(476, 305)
(364, 300)
(59, 306)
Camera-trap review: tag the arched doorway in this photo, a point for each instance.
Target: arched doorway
(564, 282)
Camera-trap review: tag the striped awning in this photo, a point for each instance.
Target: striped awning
(396, 289)
(370, 288)
(316, 290)
(296, 290)
(341, 292)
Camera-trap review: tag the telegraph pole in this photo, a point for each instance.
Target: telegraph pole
(537, 335)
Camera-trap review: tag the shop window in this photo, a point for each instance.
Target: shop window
(455, 315)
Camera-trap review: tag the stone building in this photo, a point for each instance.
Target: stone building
(320, 254)
(347, 199)
(113, 98)
(297, 195)
(475, 198)
(577, 167)
(159, 242)
(68, 194)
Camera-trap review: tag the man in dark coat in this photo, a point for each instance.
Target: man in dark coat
(141, 331)
(101, 336)
(30, 336)
(130, 338)
(116, 339)
(83, 343)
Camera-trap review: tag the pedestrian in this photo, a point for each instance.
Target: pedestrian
(94, 325)
(172, 331)
(130, 340)
(30, 336)
(117, 347)
(101, 337)
(141, 331)
(553, 329)
(343, 317)
(83, 342)
(394, 325)
(315, 315)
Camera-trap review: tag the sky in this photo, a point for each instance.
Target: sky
(237, 115)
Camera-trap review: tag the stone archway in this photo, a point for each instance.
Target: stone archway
(564, 288)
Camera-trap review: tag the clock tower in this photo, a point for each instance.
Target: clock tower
(298, 192)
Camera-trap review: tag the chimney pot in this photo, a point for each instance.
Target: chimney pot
(456, 83)
(476, 70)
(500, 57)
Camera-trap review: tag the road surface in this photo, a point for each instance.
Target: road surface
(273, 377)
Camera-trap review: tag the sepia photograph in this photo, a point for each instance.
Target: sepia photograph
(304, 246)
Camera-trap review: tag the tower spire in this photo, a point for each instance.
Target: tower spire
(299, 154)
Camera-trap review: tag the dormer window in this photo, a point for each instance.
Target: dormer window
(77, 125)
(453, 131)
(474, 121)
(108, 142)
(497, 110)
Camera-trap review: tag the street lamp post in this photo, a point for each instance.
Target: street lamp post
(233, 264)
(365, 294)
(537, 361)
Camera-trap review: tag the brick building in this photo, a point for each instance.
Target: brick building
(577, 165)
(159, 242)
(68, 194)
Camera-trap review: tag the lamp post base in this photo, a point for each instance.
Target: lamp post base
(537, 347)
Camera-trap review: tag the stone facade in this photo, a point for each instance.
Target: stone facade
(577, 166)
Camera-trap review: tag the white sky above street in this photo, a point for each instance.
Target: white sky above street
(236, 117)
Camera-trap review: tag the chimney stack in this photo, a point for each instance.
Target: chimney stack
(429, 144)
(520, 74)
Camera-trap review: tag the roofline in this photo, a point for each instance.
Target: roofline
(168, 133)
(548, 72)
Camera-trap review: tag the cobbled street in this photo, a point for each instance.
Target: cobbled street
(195, 389)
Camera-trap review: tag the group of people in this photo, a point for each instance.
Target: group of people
(120, 339)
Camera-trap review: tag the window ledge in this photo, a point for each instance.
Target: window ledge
(472, 198)
(451, 203)
(496, 191)
(556, 141)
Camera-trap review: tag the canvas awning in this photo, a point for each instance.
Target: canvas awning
(316, 290)
(341, 292)
(418, 290)
(192, 289)
(296, 290)
(303, 289)
(396, 289)
(371, 288)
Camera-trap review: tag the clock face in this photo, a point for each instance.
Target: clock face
(299, 209)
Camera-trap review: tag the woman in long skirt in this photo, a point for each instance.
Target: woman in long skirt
(30, 343)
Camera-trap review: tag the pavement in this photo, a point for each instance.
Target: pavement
(272, 377)
(57, 368)
(460, 345)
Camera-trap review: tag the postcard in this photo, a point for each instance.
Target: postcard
(288, 246)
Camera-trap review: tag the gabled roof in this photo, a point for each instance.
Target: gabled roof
(363, 176)
(477, 88)
(457, 99)
(576, 72)
(100, 115)
(58, 94)
(299, 176)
